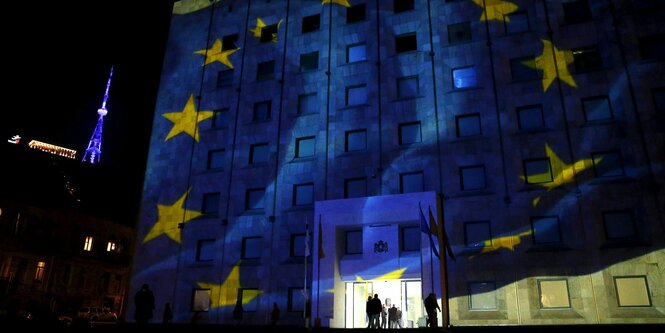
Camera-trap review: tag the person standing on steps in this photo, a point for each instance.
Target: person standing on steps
(274, 315)
(431, 306)
(144, 300)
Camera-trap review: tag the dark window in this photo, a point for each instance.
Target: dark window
(311, 23)
(411, 182)
(468, 125)
(546, 230)
(355, 187)
(303, 194)
(355, 140)
(406, 43)
(355, 13)
(353, 242)
(356, 52)
(229, 42)
(464, 77)
(220, 118)
(269, 33)
(262, 111)
(210, 204)
(619, 225)
(658, 99)
(309, 61)
(459, 32)
(215, 159)
(407, 86)
(251, 247)
(251, 294)
(356, 95)
(225, 78)
(255, 199)
(652, 47)
(403, 5)
(607, 164)
(305, 147)
(259, 153)
(523, 68)
(410, 238)
(307, 103)
(298, 245)
(472, 178)
(516, 22)
(530, 116)
(597, 108)
(476, 233)
(409, 133)
(265, 70)
(296, 301)
(587, 59)
(537, 171)
(205, 250)
(577, 11)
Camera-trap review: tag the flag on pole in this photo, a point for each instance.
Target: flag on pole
(442, 236)
(321, 254)
(424, 227)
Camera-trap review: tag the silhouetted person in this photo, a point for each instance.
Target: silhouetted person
(274, 315)
(399, 318)
(368, 310)
(431, 305)
(392, 317)
(375, 307)
(237, 312)
(384, 314)
(144, 300)
(168, 313)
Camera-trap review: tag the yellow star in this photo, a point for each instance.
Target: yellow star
(547, 63)
(225, 294)
(495, 9)
(392, 275)
(344, 3)
(168, 218)
(260, 25)
(187, 120)
(215, 53)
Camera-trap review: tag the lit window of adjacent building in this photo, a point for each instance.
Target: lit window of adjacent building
(400, 6)
(406, 42)
(215, 159)
(411, 182)
(472, 178)
(255, 199)
(409, 133)
(523, 68)
(355, 187)
(205, 250)
(516, 22)
(305, 147)
(307, 103)
(464, 78)
(356, 52)
(262, 111)
(407, 87)
(356, 95)
(459, 32)
(482, 295)
(269, 33)
(355, 13)
(410, 240)
(608, 164)
(229, 42)
(530, 117)
(632, 291)
(468, 125)
(303, 194)
(587, 59)
(353, 242)
(265, 70)
(111, 246)
(476, 233)
(225, 78)
(597, 108)
(576, 11)
(553, 294)
(210, 205)
(39, 271)
(296, 301)
(619, 225)
(546, 230)
(311, 23)
(201, 300)
(537, 171)
(259, 153)
(652, 47)
(87, 245)
(309, 61)
(355, 140)
(251, 247)
(297, 248)
(220, 118)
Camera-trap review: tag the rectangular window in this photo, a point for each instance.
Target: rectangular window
(305, 147)
(225, 78)
(307, 103)
(411, 182)
(464, 78)
(537, 171)
(409, 133)
(311, 23)
(201, 300)
(658, 99)
(211, 204)
(576, 11)
(353, 242)
(632, 291)
(410, 240)
(459, 32)
(269, 33)
(619, 225)
(607, 164)
(250, 299)
(39, 271)
(356, 95)
(296, 302)
(597, 108)
(309, 61)
(205, 250)
(251, 247)
(406, 42)
(355, 13)
(87, 245)
(468, 125)
(215, 159)
(516, 22)
(356, 52)
(530, 117)
(220, 118)
(476, 234)
(355, 140)
(355, 187)
(482, 296)
(652, 47)
(298, 245)
(472, 177)
(587, 59)
(407, 87)
(259, 153)
(229, 42)
(303, 194)
(523, 68)
(255, 199)
(265, 70)
(111, 246)
(553, 294)
(400, 6)
(546, 230)
(262, 111)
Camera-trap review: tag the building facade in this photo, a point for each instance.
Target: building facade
(506, 155)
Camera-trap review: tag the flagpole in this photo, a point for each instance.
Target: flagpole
(318, 275)
(304, 307)
(421, 254)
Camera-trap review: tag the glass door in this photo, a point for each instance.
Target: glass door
(356, 295)
(412, 303)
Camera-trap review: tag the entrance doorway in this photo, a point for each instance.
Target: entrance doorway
(404, 294)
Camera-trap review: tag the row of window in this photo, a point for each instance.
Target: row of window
(295, 301)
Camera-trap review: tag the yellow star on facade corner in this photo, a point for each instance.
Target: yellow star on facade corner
(168, 218)
(187, 120)
(344, 3)
(215, 53)
(495, 9)
(547, 63)
(225, 294)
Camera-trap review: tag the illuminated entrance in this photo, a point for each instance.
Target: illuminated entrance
(404, 294)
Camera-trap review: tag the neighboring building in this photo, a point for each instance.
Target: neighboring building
(529, 134)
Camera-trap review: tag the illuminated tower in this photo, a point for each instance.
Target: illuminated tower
(94, 150)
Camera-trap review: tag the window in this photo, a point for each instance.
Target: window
(112, 246)
(546, 230)
(516, 22)
(353, 242)
(303, 194)
(251, 247)
(356, 95)
(632, 291)
(87, 245)
(607, 164)
(410, 239)
(472, 177)
(523, 68)
(652, 47)
(356, 52)
(587, 59)
(530, 117)
(269, 33)
(596, 108)
(298, 245)
(311, 23)
(553, 294)
(355, 140)
(482, 295)
(296, 302)
(255, 199)
(262, 111)
(658, 99)
(355, 187)
(220, 118)
(537, 171)
(476, 233)
(307, 103)
(400, 6)
(409, 133)
(459, 32)
(265, 70)
(355, 13)
(39, 271)
(250, 299)
(407, 87)
(305, 147)
(205, 250)
(576, 11)
(411, 182)
(309, 61)
(468, 125)
(215, 159)
(201, 300)
(259, 153)
(210, 204)
(225, 78)
(619, 225)
(229, 42)
(406, 43)
(464, 78)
